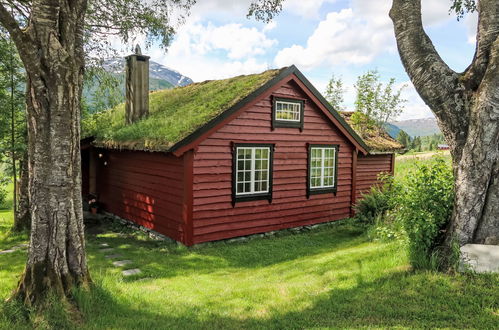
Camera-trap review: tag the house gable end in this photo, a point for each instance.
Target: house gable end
(291, 74)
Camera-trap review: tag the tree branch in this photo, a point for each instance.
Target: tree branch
(10, 24)
(436, 83)
(487, 32)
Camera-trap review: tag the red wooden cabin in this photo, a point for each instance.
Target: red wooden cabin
(277, 158)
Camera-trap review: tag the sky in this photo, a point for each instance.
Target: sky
(321, 37)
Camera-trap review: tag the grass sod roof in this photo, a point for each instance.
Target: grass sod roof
(377, 139)
(174, 114)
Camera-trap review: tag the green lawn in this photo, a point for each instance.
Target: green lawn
(331, 277)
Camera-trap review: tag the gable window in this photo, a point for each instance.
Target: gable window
(287, 113)
(252, 172)
(322, 169)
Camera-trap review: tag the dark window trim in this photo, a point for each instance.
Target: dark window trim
(257, 196)
(280, 123)
(315, 191)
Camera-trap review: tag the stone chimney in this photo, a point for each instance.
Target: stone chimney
(137, 86)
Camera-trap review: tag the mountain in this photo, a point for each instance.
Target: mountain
(98, 96)
(418, 127)
(392, 130)
(157, 72)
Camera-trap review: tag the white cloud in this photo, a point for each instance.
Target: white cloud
(355, 35)
(305, 8)
(205, 51)
(471, 23)
(238, 41)
(343, 37)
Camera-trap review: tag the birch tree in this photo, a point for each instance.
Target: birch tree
(52, 38)
(466, 105)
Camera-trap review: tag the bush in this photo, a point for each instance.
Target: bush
(374, 205)
(425, 209)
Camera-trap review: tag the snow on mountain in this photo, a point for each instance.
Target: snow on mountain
(156, 71)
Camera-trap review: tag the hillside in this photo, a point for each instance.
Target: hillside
(418, 127)
(392, 130)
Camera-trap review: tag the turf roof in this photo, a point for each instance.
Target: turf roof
(173, 114)
(378, 140)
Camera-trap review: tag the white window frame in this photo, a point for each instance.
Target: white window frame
(252, 173)
(322, 167)
(298, 106)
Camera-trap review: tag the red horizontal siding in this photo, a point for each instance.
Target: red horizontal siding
(368, 170)
(215, 218)
(146, 188)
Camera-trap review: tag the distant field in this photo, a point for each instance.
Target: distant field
(405, 163)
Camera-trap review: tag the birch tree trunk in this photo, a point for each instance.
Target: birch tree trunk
(51, 48)
(466, 106)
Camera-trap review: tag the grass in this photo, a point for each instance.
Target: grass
(331, 277)
(407, 162)
(174, 113)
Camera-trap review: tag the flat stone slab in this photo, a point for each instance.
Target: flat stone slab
(107, 250)
(480, 258)
(113, 256)
(121, 263)
(7, 251)
(104, 245)
(130, 272)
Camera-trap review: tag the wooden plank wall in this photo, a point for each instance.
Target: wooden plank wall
(215, 218)
(368, 169)
(143, 187)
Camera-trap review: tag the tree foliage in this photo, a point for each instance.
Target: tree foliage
(380, 102)
(334, 92)
(404, 138)
(13, 134)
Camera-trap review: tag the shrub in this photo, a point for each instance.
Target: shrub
(374, 205)
(425, 209)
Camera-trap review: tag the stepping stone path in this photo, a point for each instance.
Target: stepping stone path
(130, 272)
(15, 248)
(119, 263)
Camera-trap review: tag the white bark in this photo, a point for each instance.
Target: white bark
(467, 109)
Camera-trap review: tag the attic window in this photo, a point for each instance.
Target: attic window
(252, 172)
(287, 113)
(322, 169)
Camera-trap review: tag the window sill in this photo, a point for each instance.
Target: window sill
(255, 197)
(317, 191)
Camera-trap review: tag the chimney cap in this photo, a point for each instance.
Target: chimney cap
(138, 54)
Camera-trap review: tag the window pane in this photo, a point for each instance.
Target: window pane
(322, 165)
(252, 170)
(287, 111)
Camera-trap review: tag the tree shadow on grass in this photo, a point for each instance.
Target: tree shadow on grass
(413, 300)
(167, 259)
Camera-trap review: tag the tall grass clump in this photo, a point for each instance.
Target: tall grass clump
(425, 207)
